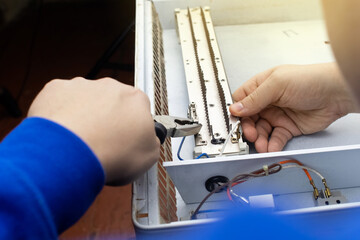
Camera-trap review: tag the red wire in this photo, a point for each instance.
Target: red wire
(228, 189)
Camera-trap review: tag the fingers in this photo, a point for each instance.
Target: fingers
(256, 94)
(270, 130)
(264, 129)
(279, 137)
(250, 85)
(123, 118)
(278, 118)
(248, 126)
(277, 141)
(263, 96)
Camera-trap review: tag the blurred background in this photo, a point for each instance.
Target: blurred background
(42, 40)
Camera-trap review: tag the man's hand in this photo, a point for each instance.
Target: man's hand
(291, 100)
(112, 118)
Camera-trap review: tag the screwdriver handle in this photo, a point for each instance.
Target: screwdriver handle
(160, 131)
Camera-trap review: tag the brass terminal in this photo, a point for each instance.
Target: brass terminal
(237, 135)
(316, 191)
(327, 189)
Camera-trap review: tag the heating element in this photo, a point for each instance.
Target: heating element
(208, 89)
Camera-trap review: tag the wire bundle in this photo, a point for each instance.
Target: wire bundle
(273, 168)
(265, 171)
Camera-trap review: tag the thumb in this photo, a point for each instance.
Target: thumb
(259, 99)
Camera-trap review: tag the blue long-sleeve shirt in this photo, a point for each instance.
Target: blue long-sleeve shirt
(48, 178)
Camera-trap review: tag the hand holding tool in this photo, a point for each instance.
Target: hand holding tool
(168, 126)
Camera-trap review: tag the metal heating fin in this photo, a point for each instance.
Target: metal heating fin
(216, 72)
(165, 192)
(201, 74)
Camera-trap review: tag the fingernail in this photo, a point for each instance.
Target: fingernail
(237, 107)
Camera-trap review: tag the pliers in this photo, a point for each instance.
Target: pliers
(168, 126)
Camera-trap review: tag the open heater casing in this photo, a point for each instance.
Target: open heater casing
(253, 35)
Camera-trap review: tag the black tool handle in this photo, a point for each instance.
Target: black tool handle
(160, 131)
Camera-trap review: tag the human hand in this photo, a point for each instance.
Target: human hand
(114, 119)
(291, 100)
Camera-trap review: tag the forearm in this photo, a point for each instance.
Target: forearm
(343, 24)
(342, 97)
(49, 178)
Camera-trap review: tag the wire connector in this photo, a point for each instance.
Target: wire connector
(316, 191)
(266, 170)
(327, 191)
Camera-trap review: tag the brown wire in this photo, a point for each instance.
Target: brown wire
(273, 168)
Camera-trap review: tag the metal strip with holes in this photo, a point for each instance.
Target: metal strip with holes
(207, 84)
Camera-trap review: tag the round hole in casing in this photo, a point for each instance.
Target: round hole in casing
(215, 182)
(338, 201)
(327, 202)
(211, 105)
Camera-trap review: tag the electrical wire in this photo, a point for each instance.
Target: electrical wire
(180, 147)
(228, 137)
(299, 163)
(265, 171)
(229, 193)
(273, 168)
(201, 155)
(305, 167)
(217, 189)
(259, 173)
(179, 150)
(211, 211)
(240, 198)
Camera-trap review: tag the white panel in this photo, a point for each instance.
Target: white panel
(234, 12)
(339, 165)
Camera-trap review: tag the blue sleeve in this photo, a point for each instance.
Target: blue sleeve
(48, 177)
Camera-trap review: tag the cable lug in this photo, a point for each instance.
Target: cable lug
(327, 191)
(316, 191)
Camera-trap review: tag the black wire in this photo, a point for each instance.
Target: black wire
(272, 169)
(32, 45)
